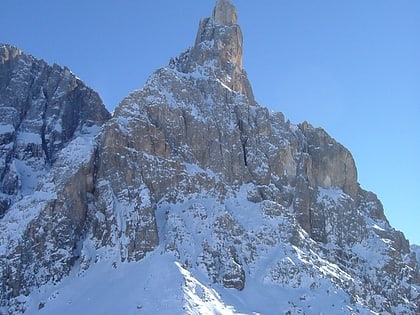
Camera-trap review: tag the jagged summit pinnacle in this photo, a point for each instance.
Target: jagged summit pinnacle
(218, 50)
(225, 13)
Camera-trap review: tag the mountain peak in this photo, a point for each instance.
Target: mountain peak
(225, 13)
(217, 50)
(8, 52)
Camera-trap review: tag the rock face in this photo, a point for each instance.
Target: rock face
(225, 13)
(416, 250)
(218, 51)
(191, 166)
(42, 108)
(46, 113)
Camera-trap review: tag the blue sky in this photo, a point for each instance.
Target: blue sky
(350, 67)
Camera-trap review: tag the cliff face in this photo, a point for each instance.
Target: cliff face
(191, 167)
(48, 120)
(42, 108)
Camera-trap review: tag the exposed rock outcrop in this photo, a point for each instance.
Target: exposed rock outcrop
(48, 119)
(225, 13)
(218, 51)
(42, 108)
(196, 131)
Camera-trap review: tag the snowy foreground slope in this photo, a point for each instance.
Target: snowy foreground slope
(159, 285)
(194, 199)
(282, 278)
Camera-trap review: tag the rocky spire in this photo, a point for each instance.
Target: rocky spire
(222, 31)
(225, 13)
(47, 102)
(219, 44)
(8, 52)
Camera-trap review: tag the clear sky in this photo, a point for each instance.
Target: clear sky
(350, 67)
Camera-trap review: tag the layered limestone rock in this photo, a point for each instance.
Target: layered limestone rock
(332, 165)
(218, 51)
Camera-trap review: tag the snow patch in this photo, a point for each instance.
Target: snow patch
(5, 129)
(200, 300)
(330, 194)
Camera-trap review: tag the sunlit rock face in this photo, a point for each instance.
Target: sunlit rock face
(218, 51)
(225, 13)
(191, 166)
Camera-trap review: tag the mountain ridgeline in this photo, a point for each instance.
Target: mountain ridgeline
(192, 168)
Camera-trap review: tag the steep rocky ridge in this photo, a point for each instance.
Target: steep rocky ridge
(48, 120)
(42, 108)
(191, 166)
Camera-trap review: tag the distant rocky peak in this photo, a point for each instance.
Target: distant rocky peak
(8, 52)
(218, 51)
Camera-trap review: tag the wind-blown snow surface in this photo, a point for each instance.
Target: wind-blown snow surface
(161, 284)
(155, 285)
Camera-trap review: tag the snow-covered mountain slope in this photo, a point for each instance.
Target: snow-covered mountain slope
(193, 199)
(160, 285)
(174, 279)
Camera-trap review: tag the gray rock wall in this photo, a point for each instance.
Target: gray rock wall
(46, 171)
(42, 108)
